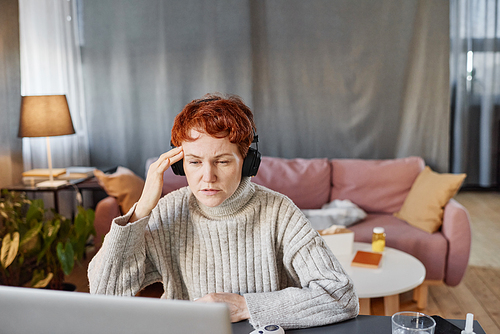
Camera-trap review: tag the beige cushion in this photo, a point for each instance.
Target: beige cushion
(424, 205)
(123, 184)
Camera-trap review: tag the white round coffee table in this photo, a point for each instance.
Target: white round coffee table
(398, 272)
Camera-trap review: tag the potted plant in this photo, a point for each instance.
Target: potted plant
(39, 247)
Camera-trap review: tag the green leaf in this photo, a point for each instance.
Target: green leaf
(49, 235)
(43, 282)
(32, 233)
(39, 280)
(80, 224)
(90, 221)
(51, 228)
(35, 211)
(90, 215)
(79, 246)
(10, 246)
(66, 257)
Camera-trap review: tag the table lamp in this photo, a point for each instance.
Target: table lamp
(45, 116)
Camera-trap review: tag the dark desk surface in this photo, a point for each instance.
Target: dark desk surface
(363, 324)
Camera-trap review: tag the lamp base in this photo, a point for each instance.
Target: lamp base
(51, 184)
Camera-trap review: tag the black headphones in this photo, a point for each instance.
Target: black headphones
(250, 167)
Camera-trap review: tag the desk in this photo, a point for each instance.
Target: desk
(363, 324)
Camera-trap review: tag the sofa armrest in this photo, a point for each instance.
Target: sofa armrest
(105, 211)
(456, 229)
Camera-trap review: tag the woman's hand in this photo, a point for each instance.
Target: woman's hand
(237, 304)
(154, 183)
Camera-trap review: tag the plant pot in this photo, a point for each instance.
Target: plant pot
(65, 286)
(68, 287)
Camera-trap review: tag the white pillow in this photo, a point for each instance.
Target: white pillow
(338, 212)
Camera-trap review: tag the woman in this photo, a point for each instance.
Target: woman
(223, 238)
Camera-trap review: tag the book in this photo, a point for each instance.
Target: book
(34, 176)
(366, 259)
(81, 169)
(74, 173)
(32, 180)
(44, 172)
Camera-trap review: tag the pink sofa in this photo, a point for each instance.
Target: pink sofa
(379, 187)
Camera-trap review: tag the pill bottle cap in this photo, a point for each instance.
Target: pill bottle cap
(378, 230)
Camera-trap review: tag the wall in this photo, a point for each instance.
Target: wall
(337, 79)
(10, 94)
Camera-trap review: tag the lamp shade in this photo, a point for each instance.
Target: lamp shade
(44, 116)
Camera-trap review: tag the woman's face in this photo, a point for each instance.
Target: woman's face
(212, 166)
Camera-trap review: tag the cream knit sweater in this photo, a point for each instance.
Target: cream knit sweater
(257, 243)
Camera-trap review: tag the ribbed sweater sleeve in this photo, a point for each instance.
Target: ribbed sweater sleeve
(135, 255)
(324, 293)
(120, 265)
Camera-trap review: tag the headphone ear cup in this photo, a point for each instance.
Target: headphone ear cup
(251, 163)
(178, 168)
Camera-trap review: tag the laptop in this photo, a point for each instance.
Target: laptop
(37, 311)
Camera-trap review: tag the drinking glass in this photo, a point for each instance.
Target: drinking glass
(412, 323)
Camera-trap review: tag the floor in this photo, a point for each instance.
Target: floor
(484, 209)
(478, 293)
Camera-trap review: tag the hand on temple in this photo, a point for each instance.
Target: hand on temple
(154, 182)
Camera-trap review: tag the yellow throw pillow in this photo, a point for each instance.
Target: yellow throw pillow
(424, 205)
(123, 184)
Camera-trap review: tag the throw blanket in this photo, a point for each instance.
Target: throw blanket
(338, 212)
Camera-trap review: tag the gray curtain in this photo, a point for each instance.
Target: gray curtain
(337, 79)
(51, 65)
(475, 78)
(10, 94)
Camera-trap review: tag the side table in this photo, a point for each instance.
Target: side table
(85, 184)
(398, 272)
(54, 190)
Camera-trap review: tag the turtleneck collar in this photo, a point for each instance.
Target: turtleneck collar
(230, 206)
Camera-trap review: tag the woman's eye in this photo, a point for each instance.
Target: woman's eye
(223, 162)
(194, 162)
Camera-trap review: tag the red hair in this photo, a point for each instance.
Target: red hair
(219, 116)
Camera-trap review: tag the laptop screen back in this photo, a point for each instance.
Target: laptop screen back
(26, 310)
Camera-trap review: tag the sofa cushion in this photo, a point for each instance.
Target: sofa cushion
(124, 185)
(375, 185)
(424, 205)
(305, 181)
(430, 249)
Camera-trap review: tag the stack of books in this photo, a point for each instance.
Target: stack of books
(34, 176)
(74, 173)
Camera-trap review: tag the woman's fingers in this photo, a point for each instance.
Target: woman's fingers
(178, 155)
(154, 183)
(167, 159)
(170, 154)
(237, 304)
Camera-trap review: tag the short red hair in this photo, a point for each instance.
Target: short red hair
(219, 116)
